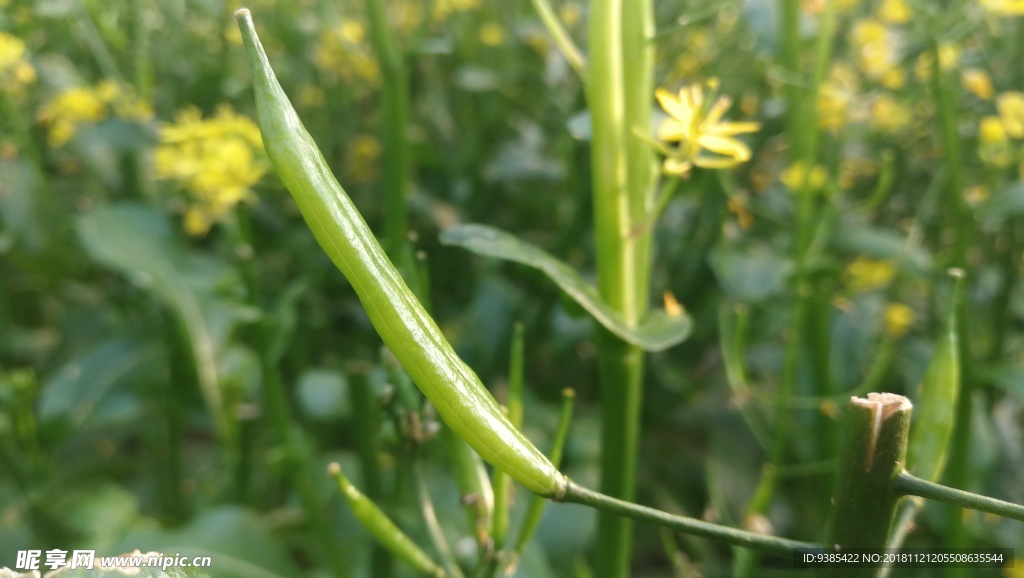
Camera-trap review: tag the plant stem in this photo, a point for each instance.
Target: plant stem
(959, 470)
(451, 567)
(570, 51)
(366, 417)
(618, 35)
(396, 118)
(908, 485)
(782, 546)
(873, 452)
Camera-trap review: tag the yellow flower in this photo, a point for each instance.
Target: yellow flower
(697, 125)
(889, 115)
(836, 97)
(993, 145)
(875, 47)
(797, 177)
(949, 56)
(15, 70)
(492, 34)
(570, 13)
(894, 11)
(977, 82)
(672, 306)
(342, 53)
(867, 274)
(976, 195)
(79, 105)
(215, 161)
(1011, 112)
(443, 8)
(737, 205)
(898, 318)
(363, 157)
(1004, 7)
(351, 32)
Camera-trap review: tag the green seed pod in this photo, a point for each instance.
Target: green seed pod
(406, 328)
(935, 417)
(382, 528)
(473, 483)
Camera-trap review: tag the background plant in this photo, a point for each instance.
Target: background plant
(111, 316)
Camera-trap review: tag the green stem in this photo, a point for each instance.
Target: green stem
(873, 452)
(576, 494)
(960, 222)
(396, 119)
(366, 416)
(617, 36)
(503, 487)
(570, 51)
(302, 464)
(908, 485)
(451, 567)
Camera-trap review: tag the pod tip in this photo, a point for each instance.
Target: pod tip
(333, 468)
(569, 393)
(242, 13)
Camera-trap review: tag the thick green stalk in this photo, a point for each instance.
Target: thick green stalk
(396, 118)
(618, 36)
(873, 452)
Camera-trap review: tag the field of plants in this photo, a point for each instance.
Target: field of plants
(644, 248)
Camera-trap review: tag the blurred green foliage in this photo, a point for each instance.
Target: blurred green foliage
(134, 347)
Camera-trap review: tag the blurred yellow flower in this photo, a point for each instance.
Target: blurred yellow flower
(672, 306)
(898, 318)
(737, 205)
(700, 49)
(797, 177)
(875, 47)
(993, 145)
(976, 195)
(1004, 7)
(949, 56)
(866, 274)
(444, 8)
(215, 161)
(977, 82)
(79, 105)
(1011, 113)
(889, 115)
(696, 124)
(492, 34)
(570, 13)
(894, 11)
(15, 70)
(836, 97)
(363, 156)
(342, 53)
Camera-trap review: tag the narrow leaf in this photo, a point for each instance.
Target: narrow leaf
(658, 332)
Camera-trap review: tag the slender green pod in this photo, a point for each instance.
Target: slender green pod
(937, 398)
(399, 318)
(382, 528)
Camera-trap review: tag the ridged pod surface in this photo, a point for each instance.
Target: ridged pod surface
(406, 328)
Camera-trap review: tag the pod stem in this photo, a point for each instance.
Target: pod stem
(908, 485)
(577, 494)
(562, 39)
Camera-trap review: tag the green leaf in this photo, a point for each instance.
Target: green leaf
(885, 245)
(658, 332)
(1005, 204)
(750, 275)
(139, 242)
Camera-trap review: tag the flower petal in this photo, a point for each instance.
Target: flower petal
(725, 145)
(674, 106)
(676, 166)
(673, 130)
(732, 128)
(715, 162)
(717, 110)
